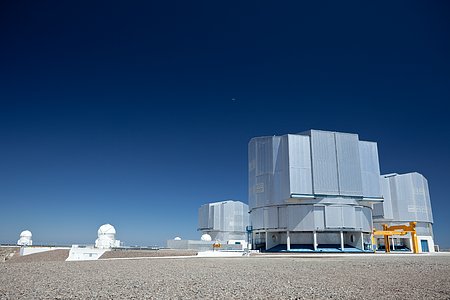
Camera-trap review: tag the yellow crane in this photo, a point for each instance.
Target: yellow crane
(389, 231)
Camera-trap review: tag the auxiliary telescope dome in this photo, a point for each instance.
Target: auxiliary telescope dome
(206, 237)
(107, 229)
(25, 238)
(106, 237)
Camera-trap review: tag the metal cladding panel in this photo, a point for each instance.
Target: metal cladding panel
(410, 198)
(427, 199)
(230, 216)
(300, 174)
(384, 210)
(203, 216)
(300, 217)
(363, 217)
(366, 219)
(260, 152)
(246, 218)
(264, 156)
(324, 164)
(338, 216)
(237, 222)
(282, 217)
(280, 171)
(211, 216)
(257, 218)
(358, 217)
(348, 161)
(271, 217)
(424, 229)
(268, 171)
(348, 217)
(378, 210)
(252, 173)
(229, 212)
(319, 217)
(264, 171)
(263, 190)
(217, 218)
(370, 169)
(241, 217)
(333, 217)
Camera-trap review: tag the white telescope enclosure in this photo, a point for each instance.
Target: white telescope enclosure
(25, 238)
(106, 237)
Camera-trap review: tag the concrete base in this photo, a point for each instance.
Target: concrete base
(85, 253)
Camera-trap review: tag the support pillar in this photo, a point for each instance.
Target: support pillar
(288, 241)
(374, 243)
(267, 236)
(342, 241)
(387, 245)
(415, 243)
(315, 240)
(362, 241)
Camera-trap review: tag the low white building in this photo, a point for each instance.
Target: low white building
(105, 241)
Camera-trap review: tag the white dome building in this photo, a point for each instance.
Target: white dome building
(106, 237)
(25, 238)
(206, 237)
(177, 238)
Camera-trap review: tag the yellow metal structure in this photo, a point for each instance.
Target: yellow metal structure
(389, 231)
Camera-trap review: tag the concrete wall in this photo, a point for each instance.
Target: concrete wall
(190, 244)
(430, 241)
(38, 249)
(85, 253)
(200, 245)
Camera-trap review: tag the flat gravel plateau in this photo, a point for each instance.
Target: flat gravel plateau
(259, 277)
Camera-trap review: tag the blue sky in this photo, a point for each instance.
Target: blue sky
(137, 113)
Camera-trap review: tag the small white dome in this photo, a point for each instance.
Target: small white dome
(106, 237)
(106, 229)
(206, 237)
(25, 238)
(177, 238)
(26, 233)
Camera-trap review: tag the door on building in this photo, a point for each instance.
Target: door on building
(424, 244)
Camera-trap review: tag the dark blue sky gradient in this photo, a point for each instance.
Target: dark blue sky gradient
(123, 112)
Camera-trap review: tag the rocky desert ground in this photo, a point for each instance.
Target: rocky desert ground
(254, 277)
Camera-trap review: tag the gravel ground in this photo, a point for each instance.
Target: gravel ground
(7, 253)
(370, 277)
(146, 253)
(61, 255)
